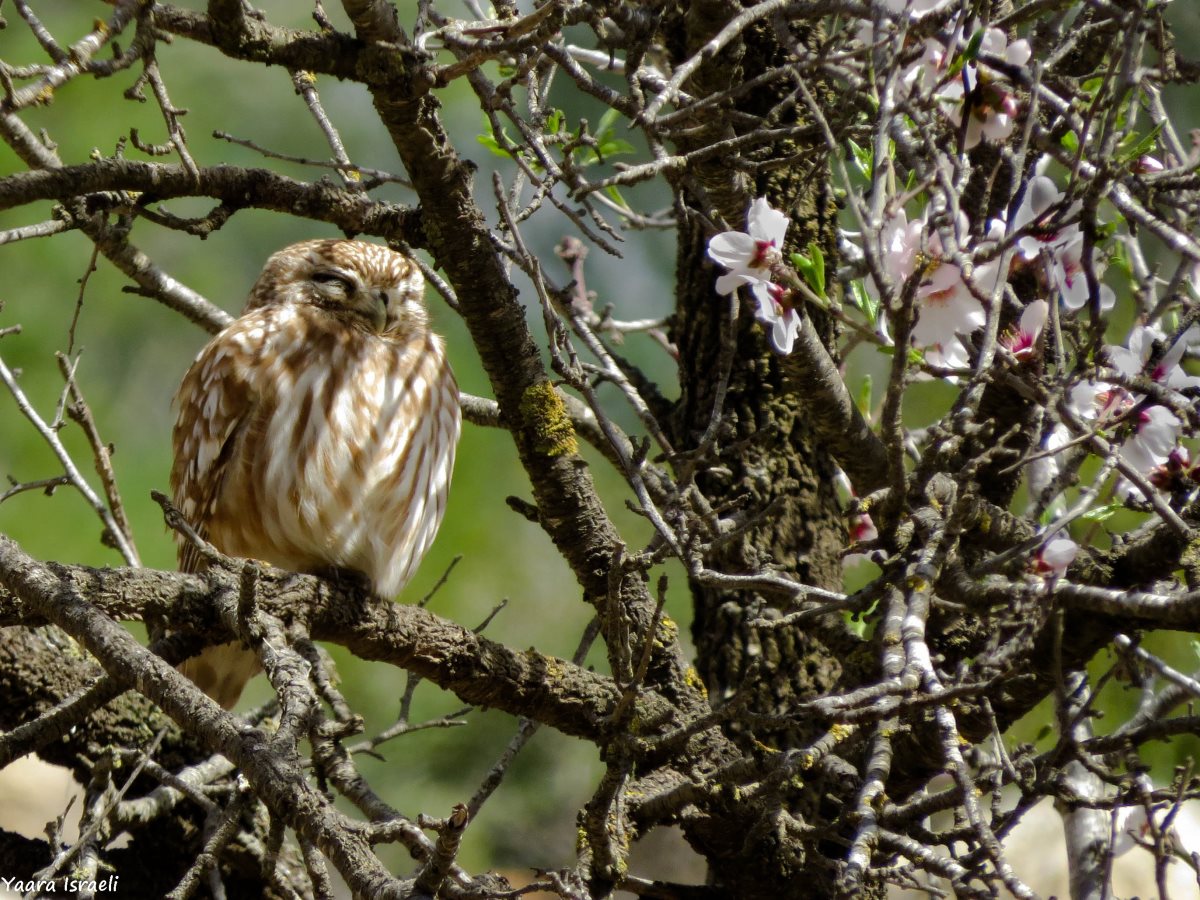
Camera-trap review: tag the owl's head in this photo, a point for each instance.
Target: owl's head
(364, 285)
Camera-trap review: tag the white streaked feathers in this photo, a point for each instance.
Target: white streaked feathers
(312, 445)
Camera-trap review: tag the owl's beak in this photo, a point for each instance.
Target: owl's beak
(377, 311)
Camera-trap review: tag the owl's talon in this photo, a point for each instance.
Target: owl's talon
(349, 579)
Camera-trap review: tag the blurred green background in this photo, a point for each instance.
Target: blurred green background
(134, 352)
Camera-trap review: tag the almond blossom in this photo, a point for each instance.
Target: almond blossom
(1038, 216)
(950, 353)
(1176, 473)
(1133, 829)
(947, 302)
(775, 311)
(1148, 165)
(914, 9)
(862, 530)
(1023, 340)
(1167, 371)
(992, 106)
(1055, 557)
(750, 257)
(1044, 468)
(1041, 218)
(1156, 429)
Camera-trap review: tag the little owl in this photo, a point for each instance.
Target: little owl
(317, 432)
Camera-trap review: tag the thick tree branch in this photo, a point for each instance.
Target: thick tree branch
(480, 671)
(145, 182)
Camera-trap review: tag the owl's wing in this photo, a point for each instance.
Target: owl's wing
(215, 401)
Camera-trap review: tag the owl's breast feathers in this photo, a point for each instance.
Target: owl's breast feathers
(310, 446)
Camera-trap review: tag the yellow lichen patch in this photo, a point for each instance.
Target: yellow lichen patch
(917, 583)
(693, 680)
(554, 668)
(840, 731)
(545, 414)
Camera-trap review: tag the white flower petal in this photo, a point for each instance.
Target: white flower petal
(1018, 52)
(1127, 362)
(768, 309)
(1131, 824)
(1058, 554)
(732, 249)
(1044, 469)
(1043, 193)
(731, 281)
(1158, 431)
(784, 330)
(767, 224)
(1033, 319)
(949, 354)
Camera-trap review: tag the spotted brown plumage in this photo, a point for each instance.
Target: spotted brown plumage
(317, 432)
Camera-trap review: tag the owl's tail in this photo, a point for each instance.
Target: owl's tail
(222, 671)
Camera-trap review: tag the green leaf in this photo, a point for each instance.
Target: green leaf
(859, 622)
(855, 624)
(607, 144)
(969, 54)
(615, 195)
(554, 122)
(614, 147)
(818, 260)
(1131, 147)
(864, 301)
(972, 51)
(863, 159)
(812, 269)
(1070, 142)
(490, 140)
(1119, 260)
(1102, 513)
(606, 123)
(863, 401)
(492, 144)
